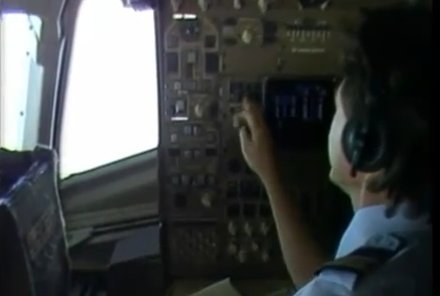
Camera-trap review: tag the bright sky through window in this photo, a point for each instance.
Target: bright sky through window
(111, 103)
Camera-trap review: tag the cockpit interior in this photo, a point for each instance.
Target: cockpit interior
(121, 171)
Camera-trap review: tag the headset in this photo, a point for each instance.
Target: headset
(365, 135)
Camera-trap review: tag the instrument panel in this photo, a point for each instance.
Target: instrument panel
(216, 213)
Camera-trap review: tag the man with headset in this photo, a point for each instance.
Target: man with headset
(379, 155)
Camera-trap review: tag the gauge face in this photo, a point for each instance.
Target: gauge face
(313, 3)
(190, 30)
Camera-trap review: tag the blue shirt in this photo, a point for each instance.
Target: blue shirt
(366, 223)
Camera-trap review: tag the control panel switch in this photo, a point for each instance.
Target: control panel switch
(232, 228)
(255, 247)
(180, 107)
(238, 4)
(248, 229)
(242, 256)
(204, 4)
(263, 5)
(176, 4)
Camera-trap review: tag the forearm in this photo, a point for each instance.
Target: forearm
(301, 253)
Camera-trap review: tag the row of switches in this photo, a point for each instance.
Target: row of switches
(192, 153)
(195, 181)
(246, 188)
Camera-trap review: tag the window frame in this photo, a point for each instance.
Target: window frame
(27, 132)
(67, 23)
(2, 74)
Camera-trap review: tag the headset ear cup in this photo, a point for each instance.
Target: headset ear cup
(376, 151)
(365, 148)
(351, 142)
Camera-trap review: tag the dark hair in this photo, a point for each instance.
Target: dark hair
(394, 48)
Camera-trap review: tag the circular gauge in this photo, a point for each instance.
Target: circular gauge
(190, 30)
(322, 4)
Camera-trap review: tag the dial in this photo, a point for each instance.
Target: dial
(190, 30)
(199, 110)
(247, 36)
(206, 110)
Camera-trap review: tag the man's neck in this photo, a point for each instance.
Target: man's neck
(362, 198)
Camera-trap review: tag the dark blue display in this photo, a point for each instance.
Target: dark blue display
(299, 111)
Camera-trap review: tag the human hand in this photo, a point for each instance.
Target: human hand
(255, 139)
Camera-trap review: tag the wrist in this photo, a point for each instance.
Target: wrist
(270, 177)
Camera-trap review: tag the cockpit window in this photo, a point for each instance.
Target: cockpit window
(111, 102)
(20, 80)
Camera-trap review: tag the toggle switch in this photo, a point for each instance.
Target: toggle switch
(232, 228)
(179, 107)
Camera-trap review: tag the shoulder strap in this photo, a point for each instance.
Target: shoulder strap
(369, 258)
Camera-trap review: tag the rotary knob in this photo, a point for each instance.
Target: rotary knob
(207, 200)
(199, 110)
(206, 110)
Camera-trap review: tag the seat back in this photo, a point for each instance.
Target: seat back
(33, 255)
